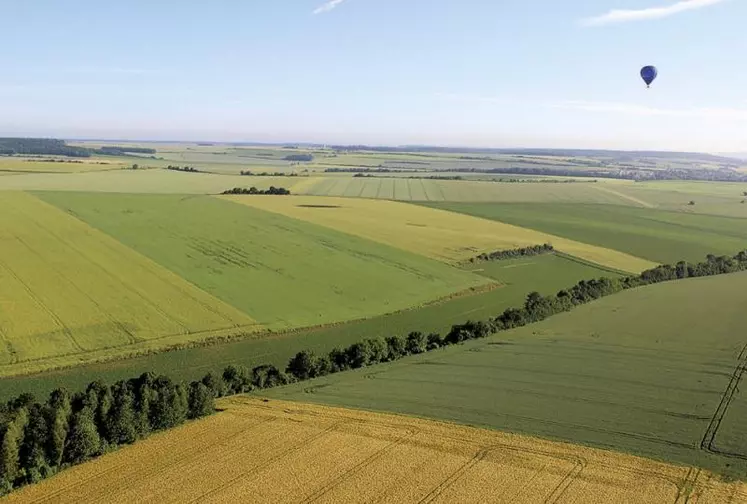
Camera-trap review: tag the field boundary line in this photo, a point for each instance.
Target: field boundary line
(150, 267)
(726, 399)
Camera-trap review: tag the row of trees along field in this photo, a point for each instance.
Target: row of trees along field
(501, 255)
(275, 191)
(188, 169)
(39, 439)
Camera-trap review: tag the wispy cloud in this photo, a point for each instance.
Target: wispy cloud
(327, 6)
(643, 110)
(623, 16)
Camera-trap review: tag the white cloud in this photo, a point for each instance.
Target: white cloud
(328, 6)
(622, 16)
(739, 114)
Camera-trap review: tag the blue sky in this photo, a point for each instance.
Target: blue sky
(452, 72)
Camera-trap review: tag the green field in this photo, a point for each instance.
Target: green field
(547, 274)
(642, 371)
(461, 190)
(656, 235)
(282, 272)
(71, 294)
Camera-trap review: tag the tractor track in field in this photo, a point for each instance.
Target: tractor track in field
(726, 399)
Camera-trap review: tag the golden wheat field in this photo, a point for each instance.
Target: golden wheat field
(69, 294)
(256, 451)
(439, 234)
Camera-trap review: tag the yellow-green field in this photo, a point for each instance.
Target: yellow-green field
(71, 294)
(293, 452)
(43, 165)
(397, 188)
(434, 233)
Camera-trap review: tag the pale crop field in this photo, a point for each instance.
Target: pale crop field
(71, 294)
(41, 165)
(398, 188)
(142, 181)
(257, 451)
(443, 235)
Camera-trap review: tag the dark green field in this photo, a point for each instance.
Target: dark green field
(546, 274)
(656, 235)
(643, 371)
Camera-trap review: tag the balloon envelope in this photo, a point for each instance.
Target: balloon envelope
(649, 73)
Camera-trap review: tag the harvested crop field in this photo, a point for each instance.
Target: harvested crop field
(70, 294)
(439, 234)
(293, 452)
(283, 272)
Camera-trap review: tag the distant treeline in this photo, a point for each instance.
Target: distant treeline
(279, 191)
(248, 173)
(722, 175)
(123, 150)
(459, 177)
(566, 153)
(39, 439)
(501, 255)
(40, 146)
(189, 169)
(53, 160)
(54, 147)
(367, 170)
(299, 157)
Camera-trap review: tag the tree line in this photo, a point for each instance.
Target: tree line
(248, 173)
(188, 169)
(281, 191)
(501, 255)
(55, 147)
(307, 364)
(40, 146)
(117, 150)
(39, 439)
(299, 157)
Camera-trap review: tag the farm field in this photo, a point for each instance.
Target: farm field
(283, 272)
(276, 451)
(34, 165)
(546, 274)
(710, 198)
(462, 190)
(442, 235)
(657, 235)
(634, 371)
(155, 181)
(71, 294)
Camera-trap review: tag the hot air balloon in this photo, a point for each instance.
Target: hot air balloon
(648, 74)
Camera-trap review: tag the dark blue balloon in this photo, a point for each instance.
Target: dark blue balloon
(648, 74)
